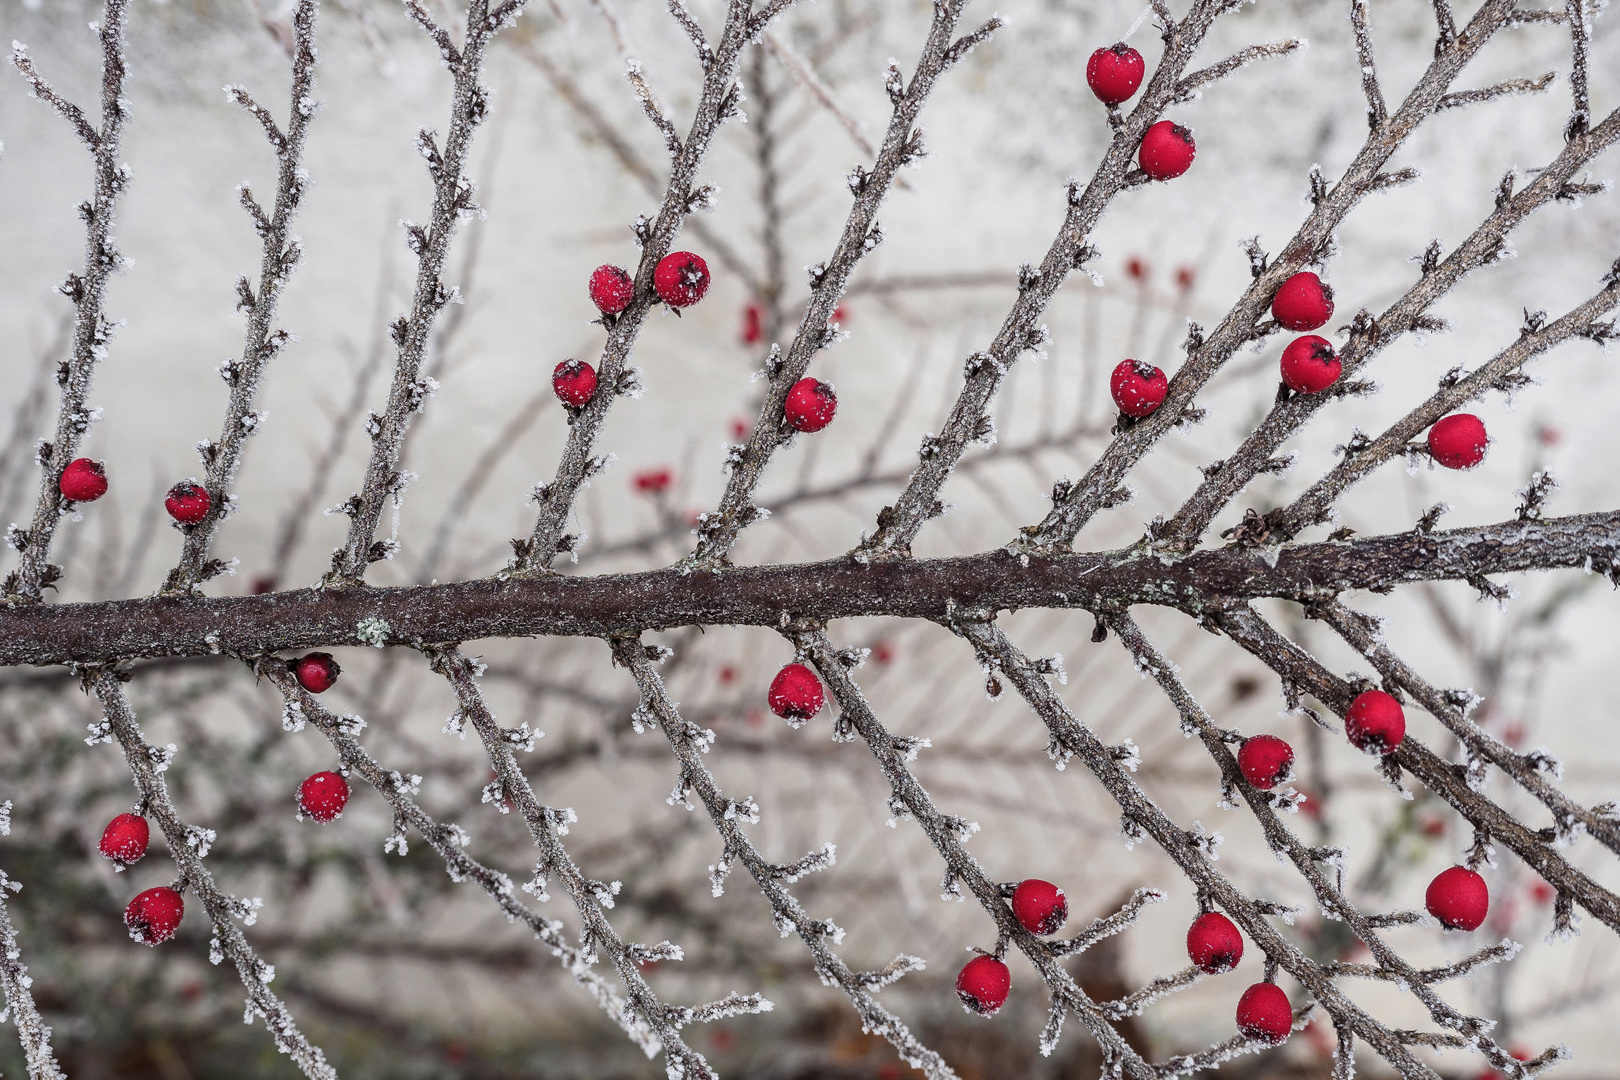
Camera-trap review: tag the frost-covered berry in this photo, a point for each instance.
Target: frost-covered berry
(83, 480)
(681, 279)
(1263, 1013)
(124, 839)
(983, 984)
(612, 289)
(1167, 150)
(1214, 944)
(1309, 365)
(323, 796)
(1458, 898)
(1115, 73)
(154, 915)
(1040, 906)
(1458, 441)
(575, 382)
(810, 405)
(188, 503)
(1375, 722)
(795, 693)
(1266, 761)
(1303, 303)
(316, 672)
(1138, 388)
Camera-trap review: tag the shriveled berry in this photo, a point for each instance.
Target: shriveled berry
(188, 503)
(1040, 906)
(1458, 441)
(612, 289)
(575, 382)
(795, 693)
(1375, 722)
(1309, 365)
(1138, 388)
(316, 672)
(1303, 302)
(1263, 1013)
(983, 985)
(1266, 761)
(810, 405)
(124, 839)
(1214, 944)
(1115, 73)
(1167, 150)
(154, 915)
(1458, 898)
(323, 796)
(83, 480)
(681, 279)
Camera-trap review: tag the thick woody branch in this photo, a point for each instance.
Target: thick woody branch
(1100, 488)
(452, 200)
(448, 841)
(188, 844)
(589, 897)
(1447, 780)
(92, 329)
(902, 144)
(718, 102)
(689, 743)
(32, 1033)
(841, 588)
(280, 255)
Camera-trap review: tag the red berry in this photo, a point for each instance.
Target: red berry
(1303, 302)
(124, 839)
(575, 382)
(1458, 441)
(1114, 73)
(1214, 944)
(1167, 150)
(1309, 365)
(1136, 269)
(323, 795)
(1266, 761)
(154, 915)
(187, 503)
(983, 985)
(753, 331)
(653, 481)
(1138, 388)
(795, 693)
(1375, 723)
(1186, 278)
(612, 289)
(316, 672)
(810, 405)
(681, 279)
(1263, 1013)
(1040, 906)
(83, 480)
(1458, 898)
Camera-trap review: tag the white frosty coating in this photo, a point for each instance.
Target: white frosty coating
(373, 631)
(15, 982)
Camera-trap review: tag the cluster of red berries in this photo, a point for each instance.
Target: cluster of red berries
(1114, 75)
(1309, 366)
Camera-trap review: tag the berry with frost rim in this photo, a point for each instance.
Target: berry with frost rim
(681, 279)
(1304, 302)
(323, 796)
(1266, 761)
(1309, 365)
(1040, 906)
(1214, 944)
(316, 672)
(796, 694)
(1138, 389)
(124, 839)
(1115, 73)
(188, 503)
(983, 985)
(1459, 898)
(612, 289)
(83, 480)
(154, 915)
(1375, 722)
(1167, 150)
(1263, 1013)
(810, 405)
(574, 382)
(1458, 441)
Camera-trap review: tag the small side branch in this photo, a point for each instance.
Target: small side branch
(1509, 88)
(187, 846)
(32, 1033)
(1377, 110)
(1580, 32)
